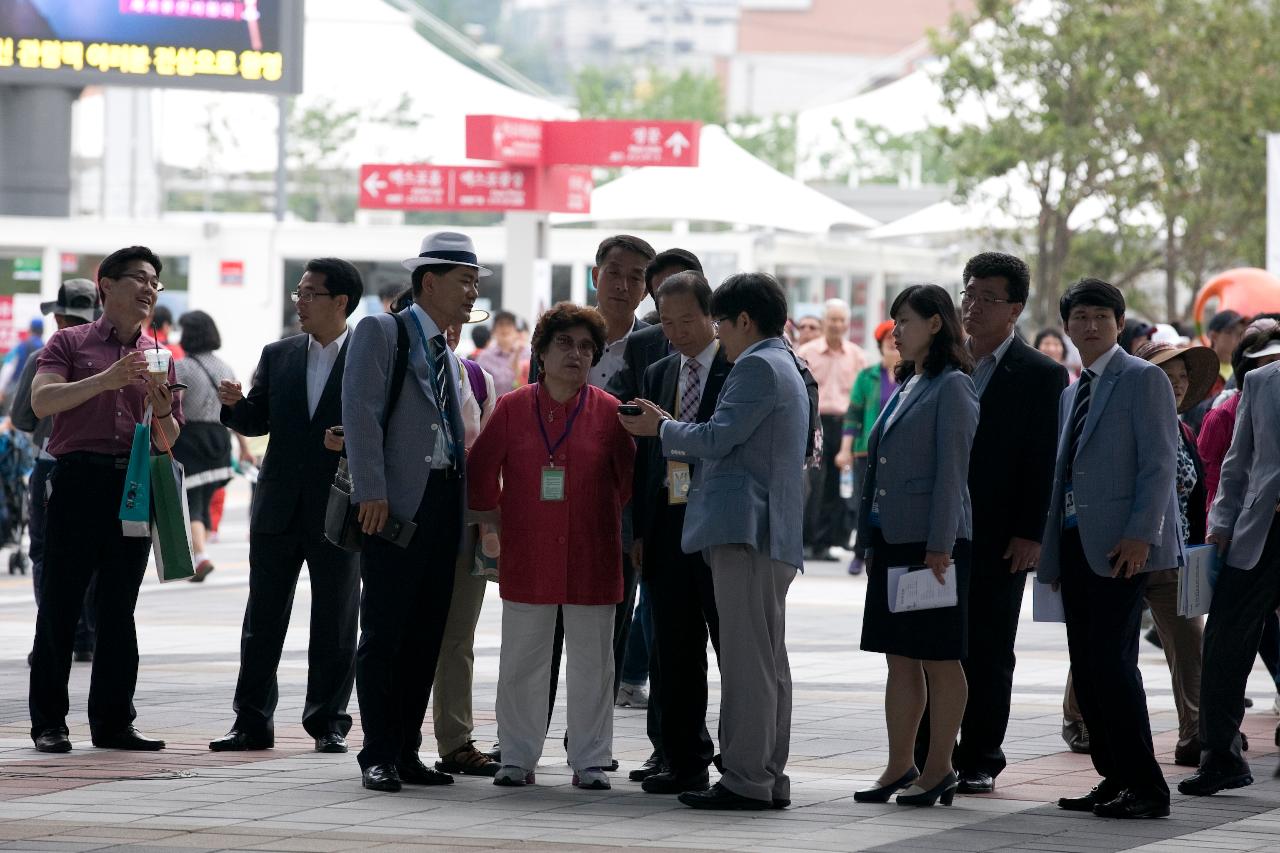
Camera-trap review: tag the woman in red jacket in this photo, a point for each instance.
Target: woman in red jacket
(556, 461)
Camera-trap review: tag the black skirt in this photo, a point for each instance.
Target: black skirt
(204, 449)
(938, 634)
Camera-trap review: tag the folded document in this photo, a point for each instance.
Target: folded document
(915, 588)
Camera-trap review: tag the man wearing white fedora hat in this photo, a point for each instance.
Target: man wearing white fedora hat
(405, 447)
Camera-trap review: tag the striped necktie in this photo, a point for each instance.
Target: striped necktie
(1080, 414)
(440, 358)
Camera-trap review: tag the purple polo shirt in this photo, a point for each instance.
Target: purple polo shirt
(105, 423)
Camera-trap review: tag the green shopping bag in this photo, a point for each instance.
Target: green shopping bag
(172, 518)
(135, 502)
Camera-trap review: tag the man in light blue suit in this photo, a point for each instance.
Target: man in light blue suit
(404, 439)
(745, 514)
(1113, 517)
(1245, 525)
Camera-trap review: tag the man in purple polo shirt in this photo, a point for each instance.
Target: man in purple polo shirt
(93, 380)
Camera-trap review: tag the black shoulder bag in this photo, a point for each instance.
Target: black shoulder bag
(341, 517)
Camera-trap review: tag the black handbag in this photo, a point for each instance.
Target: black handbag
(341, 517)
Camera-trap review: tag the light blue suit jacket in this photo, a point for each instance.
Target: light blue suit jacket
(395, 470)
(918, 468)
(747, 488)
(1245, 506)
(1124, 470)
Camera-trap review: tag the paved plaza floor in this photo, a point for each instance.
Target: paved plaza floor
(290, 798)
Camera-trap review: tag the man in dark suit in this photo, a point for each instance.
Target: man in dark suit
(1010, 477)
(680, 590)
(297, 396)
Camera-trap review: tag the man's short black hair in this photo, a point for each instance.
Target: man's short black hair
(623, 241)
(999, 265)
(690, 282)
(505, 317)
(114, 264)
(390, 292)
(419, 273)
(341, 278)
(1095, 293)
(162, 318)
(670, 259)
(480, 336)
(756, 293)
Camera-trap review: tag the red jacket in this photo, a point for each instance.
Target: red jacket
(1213, 443)
(565, 552)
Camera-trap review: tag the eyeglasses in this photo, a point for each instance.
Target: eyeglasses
(139, 277)
(971, 295)
(564, 343)
(305, 296)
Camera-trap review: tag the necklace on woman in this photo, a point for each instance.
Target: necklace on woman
(551, 415)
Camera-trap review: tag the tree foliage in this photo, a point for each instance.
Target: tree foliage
(1150, 111)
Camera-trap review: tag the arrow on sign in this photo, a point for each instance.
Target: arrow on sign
(677, 142)
(374, 184)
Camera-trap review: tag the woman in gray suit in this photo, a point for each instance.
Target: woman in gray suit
(916, 512)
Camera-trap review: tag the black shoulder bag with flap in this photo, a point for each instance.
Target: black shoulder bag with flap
(341, 517)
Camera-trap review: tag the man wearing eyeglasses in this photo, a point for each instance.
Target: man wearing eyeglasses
(1010, 479)
(92, 379)
(297, 395)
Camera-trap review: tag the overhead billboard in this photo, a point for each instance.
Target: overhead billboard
(238, 45)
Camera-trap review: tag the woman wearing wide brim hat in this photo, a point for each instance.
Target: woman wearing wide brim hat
(1191, 371)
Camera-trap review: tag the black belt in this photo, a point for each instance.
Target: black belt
(99, 460)
(453, 473)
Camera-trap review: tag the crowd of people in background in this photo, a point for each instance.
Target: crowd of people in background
(638, 490)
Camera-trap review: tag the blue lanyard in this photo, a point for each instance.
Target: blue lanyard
(426, 349)
(568, 427)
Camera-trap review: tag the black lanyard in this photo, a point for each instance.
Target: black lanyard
(568, 427)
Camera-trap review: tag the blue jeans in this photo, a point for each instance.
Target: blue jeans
(635, 665)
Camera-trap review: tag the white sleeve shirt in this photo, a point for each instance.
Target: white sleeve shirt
(320, 361)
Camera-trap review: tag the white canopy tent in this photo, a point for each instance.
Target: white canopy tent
(363, 55)
(728, 186)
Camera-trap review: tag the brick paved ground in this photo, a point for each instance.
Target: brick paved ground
(187, 798)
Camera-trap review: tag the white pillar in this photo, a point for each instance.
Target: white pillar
(526, 279)
(1273, 203)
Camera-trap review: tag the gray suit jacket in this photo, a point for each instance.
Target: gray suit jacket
(395, 470)
(918, 468)
(747, 489)
(1248, 493)
(1124, 470)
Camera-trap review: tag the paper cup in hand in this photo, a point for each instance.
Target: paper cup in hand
(158, 363)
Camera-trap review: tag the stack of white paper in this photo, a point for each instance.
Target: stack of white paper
(915, 588)
(1195, 580)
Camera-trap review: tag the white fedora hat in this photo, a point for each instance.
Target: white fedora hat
(447, 247)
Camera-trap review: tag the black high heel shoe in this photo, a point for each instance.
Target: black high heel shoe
(882, 795)
(943, 792)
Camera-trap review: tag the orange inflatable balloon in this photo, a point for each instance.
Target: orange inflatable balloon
(1246, 290)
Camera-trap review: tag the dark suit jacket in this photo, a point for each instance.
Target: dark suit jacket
(660, 383)
(1011, 463)
(645, 346)
(297, 469)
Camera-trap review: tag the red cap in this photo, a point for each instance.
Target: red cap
(883, 331)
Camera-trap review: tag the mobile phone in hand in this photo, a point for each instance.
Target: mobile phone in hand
(630, 409)
(337, 430)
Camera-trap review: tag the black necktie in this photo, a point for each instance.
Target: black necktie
(440, 356)
(1079, 414)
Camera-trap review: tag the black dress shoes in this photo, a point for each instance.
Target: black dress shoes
(381, 777)
(670, 782)
(1100, 794)
(412, 771)
(976, 782)
(241, 741)
(1208, 782)
(651, 767)
(130, 739)
(1133, 805)
(721, 798)
(331, 742)
(1076, 735)
(53, 740)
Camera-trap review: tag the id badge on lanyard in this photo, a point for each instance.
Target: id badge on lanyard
(552, 485)
(679, 480)
(1069, 518)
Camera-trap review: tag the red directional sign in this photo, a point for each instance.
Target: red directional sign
(402, 186)
(621, 143)
(593, 142)
(512, 140)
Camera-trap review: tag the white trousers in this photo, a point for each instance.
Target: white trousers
(524, 682)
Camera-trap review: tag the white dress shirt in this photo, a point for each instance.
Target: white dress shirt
(985, 367)
(440, 457)
(320, 361)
